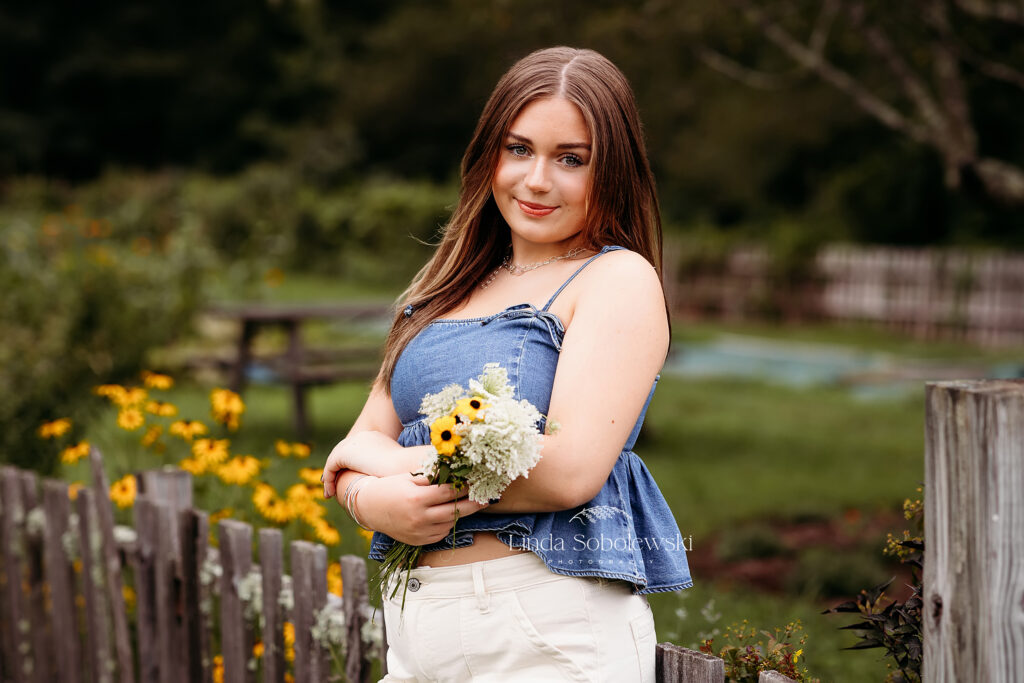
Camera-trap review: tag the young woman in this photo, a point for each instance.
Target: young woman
(550, 266)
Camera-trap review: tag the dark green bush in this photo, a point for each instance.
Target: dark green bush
(80, 306)
(823, 572)
(750, 542)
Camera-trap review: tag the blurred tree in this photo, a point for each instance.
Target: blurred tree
(907, 42)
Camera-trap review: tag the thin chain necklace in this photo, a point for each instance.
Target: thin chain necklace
(515, 270)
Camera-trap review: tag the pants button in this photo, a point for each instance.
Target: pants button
(414, 584)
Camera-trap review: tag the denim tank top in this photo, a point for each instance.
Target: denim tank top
(626, 532)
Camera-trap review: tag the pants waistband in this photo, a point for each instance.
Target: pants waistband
(464, 580)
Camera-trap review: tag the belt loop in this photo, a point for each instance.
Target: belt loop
(483, 598)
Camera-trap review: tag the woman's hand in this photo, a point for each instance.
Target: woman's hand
(373, 453)
(409, 509)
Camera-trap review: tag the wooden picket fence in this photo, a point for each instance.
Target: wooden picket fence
(930, 293)
(64, 615)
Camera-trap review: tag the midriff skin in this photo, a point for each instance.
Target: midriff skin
(486, 546)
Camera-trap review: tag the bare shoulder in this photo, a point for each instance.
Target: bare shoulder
(622, 275)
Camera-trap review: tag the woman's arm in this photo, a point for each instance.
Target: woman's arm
(393, 501)
(612, 351)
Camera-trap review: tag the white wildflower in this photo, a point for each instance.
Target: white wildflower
(442, 403)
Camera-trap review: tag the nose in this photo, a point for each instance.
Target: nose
(537, 179)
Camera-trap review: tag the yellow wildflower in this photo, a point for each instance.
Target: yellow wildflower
(443, 436)
(239, 470)
(300, 450)
(155, 380)
(57, 428)
(114, 392)
(72, 454)
(210, 452)
(289, 641)
(151, 435)
(193, 466)
(122, 491)
(283, 449)
(278, 511)
(187, 429)
(368, 535)
(162, 408)
(327, 534)
(227, 407)
(128, 397)
(129, 597)
(263, 494)
(130, 419)
(223, 513)
(310, 475)
(470, 407)
(257, 650)
(74, 488)
(218, 669)
(334, 584)
(796, 655)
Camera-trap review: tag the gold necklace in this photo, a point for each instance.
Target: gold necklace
(516, 271)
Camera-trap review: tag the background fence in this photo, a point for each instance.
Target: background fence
(67, 612)
(931, 293)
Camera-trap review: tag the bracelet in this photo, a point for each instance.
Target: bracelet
(351, 491)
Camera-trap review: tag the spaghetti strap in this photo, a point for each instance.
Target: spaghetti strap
(585, 264)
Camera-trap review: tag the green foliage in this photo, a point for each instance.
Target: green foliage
(890, 624)
(749, 652)
(81, 306)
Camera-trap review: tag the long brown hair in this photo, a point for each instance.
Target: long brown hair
(623, 204)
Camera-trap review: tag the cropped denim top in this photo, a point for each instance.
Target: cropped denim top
(626, 532)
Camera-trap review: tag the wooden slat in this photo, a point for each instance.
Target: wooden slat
(16, 609)
(676, 664)
(168, 621)
(101, 661)
(144, 571)
(112, 567)
(236, 560)
(195, 530)
(309, 561)
(271, 549)
(67, 655)
(974, 526)
(354, 596)
(42, 635)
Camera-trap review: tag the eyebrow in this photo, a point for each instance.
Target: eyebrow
(564, 145)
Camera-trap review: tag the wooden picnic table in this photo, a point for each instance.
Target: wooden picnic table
(299, 366)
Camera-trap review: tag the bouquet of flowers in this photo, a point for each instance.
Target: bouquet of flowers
(483, 439)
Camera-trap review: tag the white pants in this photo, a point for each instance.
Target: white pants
(511, 619)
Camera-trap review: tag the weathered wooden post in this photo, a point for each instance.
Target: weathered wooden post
(974, 531)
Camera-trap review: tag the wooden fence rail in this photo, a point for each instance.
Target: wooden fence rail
(83, 600)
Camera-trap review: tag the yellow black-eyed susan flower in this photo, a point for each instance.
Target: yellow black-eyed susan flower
(326, 533)
(155, 380)
(130, 419)
(72, 454)
(161, 408)
(443, 436)
(301, 450)
(152, 434)
(192, 466)
(55, 429)
(310, 475)
(289, 641)
(470, 407)
(122, 491)
(187, 429)
(73, 489)
(226, 407)
(238, 470)
(334, 584)
(129, 397)
(210, 452)
(282, 448)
